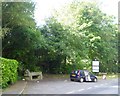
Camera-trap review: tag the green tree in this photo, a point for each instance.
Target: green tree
(70, 39)
(89, 34)
(23, 38)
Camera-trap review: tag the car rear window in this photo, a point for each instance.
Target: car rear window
(76, 71)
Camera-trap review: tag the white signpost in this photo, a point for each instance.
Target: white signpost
(95, 66)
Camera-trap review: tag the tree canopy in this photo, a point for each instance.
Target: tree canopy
(88, 34)
(70, 39)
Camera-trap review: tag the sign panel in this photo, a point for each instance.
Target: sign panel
(95, 66)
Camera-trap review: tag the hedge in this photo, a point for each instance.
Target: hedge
(9, 71)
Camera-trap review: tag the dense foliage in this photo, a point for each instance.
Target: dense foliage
(9, 71)
(70, 39)
(83, 33)
(21, 38)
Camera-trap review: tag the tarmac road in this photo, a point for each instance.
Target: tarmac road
(70, 87)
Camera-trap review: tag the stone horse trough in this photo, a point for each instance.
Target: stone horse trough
(33, 75)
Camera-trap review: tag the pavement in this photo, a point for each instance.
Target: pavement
(16, 88)
(63, 86)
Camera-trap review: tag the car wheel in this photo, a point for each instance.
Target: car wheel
(81, 79)
(95, 80)
(71, 79)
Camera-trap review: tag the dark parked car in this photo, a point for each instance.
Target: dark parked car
(82, 75)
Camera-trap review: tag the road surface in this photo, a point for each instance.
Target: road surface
(71, 87)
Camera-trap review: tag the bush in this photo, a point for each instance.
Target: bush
(66, 68)
(9, 71)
